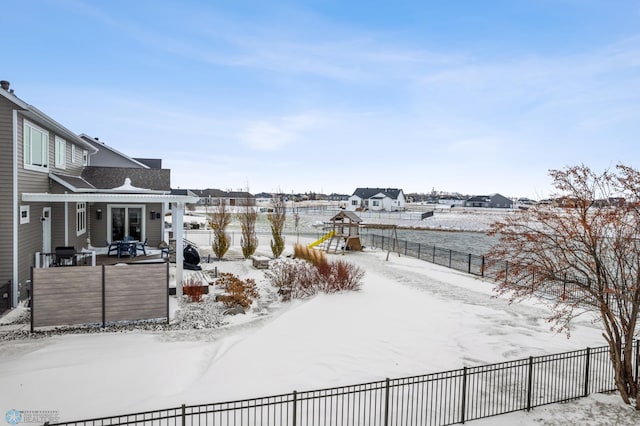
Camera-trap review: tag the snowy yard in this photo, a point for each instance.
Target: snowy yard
(409, 318)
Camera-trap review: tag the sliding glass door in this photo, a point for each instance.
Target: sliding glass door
(126, 221)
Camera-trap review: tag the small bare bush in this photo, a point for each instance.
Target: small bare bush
(238, 292)
(340, 275)
(193, 289)
(297, 279)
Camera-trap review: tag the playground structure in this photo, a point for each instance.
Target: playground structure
(344, 234)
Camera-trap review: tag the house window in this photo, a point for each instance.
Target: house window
(354, 202)
(81, 218)
(36, 147)
(85, 157)
(61, 153)
(74, 160)
(24, 214)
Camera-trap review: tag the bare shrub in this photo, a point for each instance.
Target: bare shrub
(297, 279)
(193, 289)
(342, 276)
(238, 292)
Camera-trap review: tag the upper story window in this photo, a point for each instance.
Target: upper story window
(36, 147)
(74, 159)
(61, 153)
(85, 157)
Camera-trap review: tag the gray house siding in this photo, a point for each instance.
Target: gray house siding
(6, 193)
(30, 234)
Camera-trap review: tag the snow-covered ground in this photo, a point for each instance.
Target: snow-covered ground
(410, 317)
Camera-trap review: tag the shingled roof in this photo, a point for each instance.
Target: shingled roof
(366, 193)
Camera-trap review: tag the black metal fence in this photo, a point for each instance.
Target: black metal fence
(433, 399)
(474, 264)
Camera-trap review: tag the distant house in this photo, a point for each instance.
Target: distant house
(377, 199)
(54, 197)
(233, 199)
(338, 197)
(489, 201)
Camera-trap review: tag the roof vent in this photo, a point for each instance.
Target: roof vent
(5, 85)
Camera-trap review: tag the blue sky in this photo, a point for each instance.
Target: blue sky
(468, 96)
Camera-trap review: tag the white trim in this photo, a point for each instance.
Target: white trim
(66, 224)
(14, 283)
(73, 154)
(107, 198)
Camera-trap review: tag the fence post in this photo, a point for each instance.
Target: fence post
(463, 408)
(104, 299)
(33, 299)
(184, 415)
(586, 373)
(386, 402)
(418, 250)
(450, 252)
(482, 270)
(406, 243)
(530, 383)
(469, 269)
(506, 270)
(434, 254)
(295, 407)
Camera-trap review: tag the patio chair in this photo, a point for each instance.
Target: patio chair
(140, 246)
(113, 248)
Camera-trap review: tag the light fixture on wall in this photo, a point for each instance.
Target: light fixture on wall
(152, 215)
(98, 214)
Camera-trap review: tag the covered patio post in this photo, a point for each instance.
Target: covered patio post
(177, 221)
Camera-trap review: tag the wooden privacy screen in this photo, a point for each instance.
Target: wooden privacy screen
(99, 294)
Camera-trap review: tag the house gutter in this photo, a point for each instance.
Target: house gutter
(16, 213)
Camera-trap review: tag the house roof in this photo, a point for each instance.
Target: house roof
(73, 183)
(98, 146)
(366, 193)
(346, 214)
(34, 114)
(113, 177)
(481, 198)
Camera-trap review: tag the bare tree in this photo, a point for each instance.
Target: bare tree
(247, 218)
(277, 220)
(587, 249)
(218, 220)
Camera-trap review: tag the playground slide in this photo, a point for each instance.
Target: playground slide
(322, 239)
